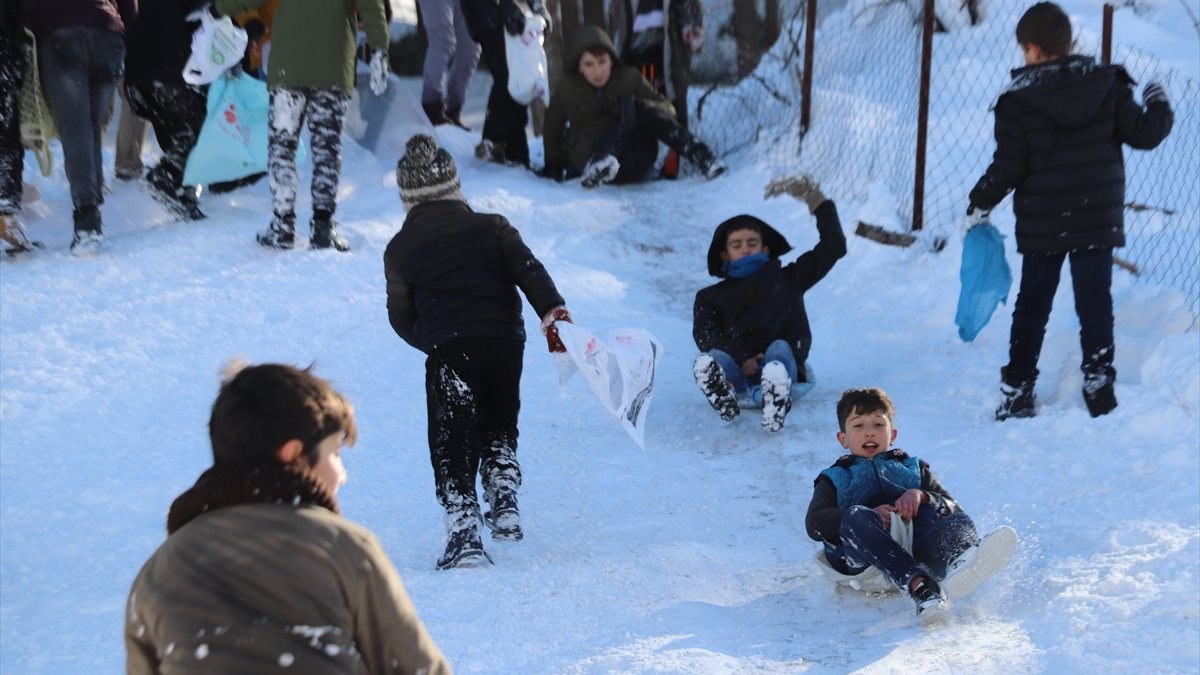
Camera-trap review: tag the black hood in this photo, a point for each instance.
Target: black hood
(589, 37)
(1067, 90)
(774, 242)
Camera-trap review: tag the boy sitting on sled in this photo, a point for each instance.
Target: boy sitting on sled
(857, 503)
(751, 327)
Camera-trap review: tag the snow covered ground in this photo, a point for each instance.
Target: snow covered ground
(689, 556)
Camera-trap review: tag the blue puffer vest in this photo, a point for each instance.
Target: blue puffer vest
(871, 482)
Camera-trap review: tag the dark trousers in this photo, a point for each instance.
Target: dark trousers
(634, 135)
(176, 111)
(1091, 276)
(506, 119)
(866, 542)
(80, 67)
(12, 153)
(472, 390)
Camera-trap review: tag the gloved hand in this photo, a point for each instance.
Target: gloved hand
(694, 37)
(379, 71)
(1154, 93)
(975, 216)
(514, 17)
(803, 188)
(557, 174)
(551, 331)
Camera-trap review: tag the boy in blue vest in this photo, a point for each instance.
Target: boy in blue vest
(855, 499)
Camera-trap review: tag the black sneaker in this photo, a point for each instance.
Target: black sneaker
(716, 388)
(928, 596)
(325, 235)
(280, 234)
(1102, 400)
(504, 519)
(463, 545)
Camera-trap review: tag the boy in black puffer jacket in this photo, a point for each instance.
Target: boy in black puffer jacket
(752, 327)
(452, 280)
(1059, 131)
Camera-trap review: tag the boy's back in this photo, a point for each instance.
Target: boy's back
(1060, 126)
(216, 590)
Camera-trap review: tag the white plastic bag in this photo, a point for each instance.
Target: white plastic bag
(217, 46)
(528, 78)
(619, 368)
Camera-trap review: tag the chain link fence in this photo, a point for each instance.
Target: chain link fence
(861, 141)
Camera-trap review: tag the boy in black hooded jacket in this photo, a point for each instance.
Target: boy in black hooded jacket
(1060, 128)
(752, 327)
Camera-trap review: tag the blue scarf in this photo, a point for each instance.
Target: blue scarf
(746, 265)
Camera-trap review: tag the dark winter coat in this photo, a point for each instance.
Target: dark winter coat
(44, 17)
(579, 113)
(483, 15)
(159, 42)
(454, 273)
(741, 317)
(1059, 130)
(874, 482)
(677, 54)
(260, 574)
(313, 41)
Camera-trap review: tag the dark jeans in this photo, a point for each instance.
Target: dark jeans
(12, 153)
(937, 541)
(506, 119)
(1091, 276)
(634, 135)
(80, 67)
(176, 111)
(473, 397)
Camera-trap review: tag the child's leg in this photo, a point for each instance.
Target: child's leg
(781, 351)
(938, 540)
(867, 541)
(1039, 281)
(1091, 275)
(499, 403)
(732, 370)
(327, 115)
(286, 118)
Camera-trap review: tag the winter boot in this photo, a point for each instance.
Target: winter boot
(1099, 394)
(12, 233)
(490, 151)
(600, 170)
(928, 596)
(280, 234)
(436, 112)
(455, 117)
(89, 238)
(704, 159)
(979, 563)
(463, 545)
(325, 234)
(776, 395)
(716, 388)
(1019, 398)
(181, 202)
(503, 517)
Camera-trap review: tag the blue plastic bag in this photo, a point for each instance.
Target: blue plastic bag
(986, 279)
(233, 141)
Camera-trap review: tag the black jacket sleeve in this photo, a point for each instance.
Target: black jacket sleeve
(706, 325)
(1010, 162)
(402, 313)
(1143, 129)
(939, 498)
(527, 271)
(812, 266)
(824, 519)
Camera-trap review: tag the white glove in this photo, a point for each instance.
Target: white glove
(975, 216)
(1154, 93)
(379, 71)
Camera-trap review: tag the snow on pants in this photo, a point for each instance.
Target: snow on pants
(80, 67)
(12, 153)
(472, 389)
(176, 111)
(866, 542)
(450, 46)
(633, 139)
(506, 119)
(325, 112)
(779, 350)
(1091, 276)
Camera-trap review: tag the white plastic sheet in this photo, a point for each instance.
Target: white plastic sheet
(528, 77)
(618, 366)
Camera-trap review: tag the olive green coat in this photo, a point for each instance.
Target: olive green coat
(313, 41)
(579, 113)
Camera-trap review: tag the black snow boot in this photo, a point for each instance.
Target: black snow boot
(464, 548)
(280, 234)
(1099, 395)
(716, 388)
(325, 234)
(1019, 398)
(503, 517)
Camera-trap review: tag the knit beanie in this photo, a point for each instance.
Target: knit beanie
(426, 173)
